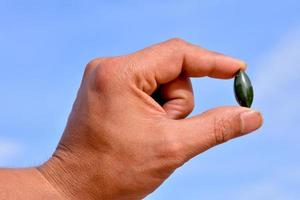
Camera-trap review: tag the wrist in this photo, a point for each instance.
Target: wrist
(25, 184)
(85, 175)
(74, 175)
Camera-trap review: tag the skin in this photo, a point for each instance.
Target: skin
(128, 131)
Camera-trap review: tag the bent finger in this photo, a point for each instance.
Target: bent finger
(165, 61)
(178, 97)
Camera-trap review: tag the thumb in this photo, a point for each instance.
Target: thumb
(217, 126)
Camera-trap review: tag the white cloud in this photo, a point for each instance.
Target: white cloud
(277, 95)
(277, 89)
(9, 149)
(280, 67)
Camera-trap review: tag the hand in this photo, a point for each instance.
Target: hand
(126, 133)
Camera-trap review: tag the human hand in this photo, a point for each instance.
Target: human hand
(127, 131)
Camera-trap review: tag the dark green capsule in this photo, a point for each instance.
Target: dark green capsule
(243, 89)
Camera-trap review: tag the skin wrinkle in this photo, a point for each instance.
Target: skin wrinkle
(60, 195)
(212, 70)
(178, 97)
(224, 128)
(148, 85)
(219, 131)
(148, 100)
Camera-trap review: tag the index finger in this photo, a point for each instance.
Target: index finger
(167, 60)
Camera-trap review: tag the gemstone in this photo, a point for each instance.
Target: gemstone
(243, 89)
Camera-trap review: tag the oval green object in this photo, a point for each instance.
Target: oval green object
(243, 89)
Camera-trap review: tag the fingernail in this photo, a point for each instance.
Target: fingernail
(251, 120)
(242, 64)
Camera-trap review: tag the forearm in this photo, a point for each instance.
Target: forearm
(25, 184)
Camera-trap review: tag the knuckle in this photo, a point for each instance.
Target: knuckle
(172, 151)
(112, 72)
(103, 72)
(178, 41)
(90, 66)
(190, 105)
(226, 128)
(221, 130)
(185, 105)
(93, 64)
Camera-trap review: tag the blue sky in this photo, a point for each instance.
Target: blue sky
(44, 46)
